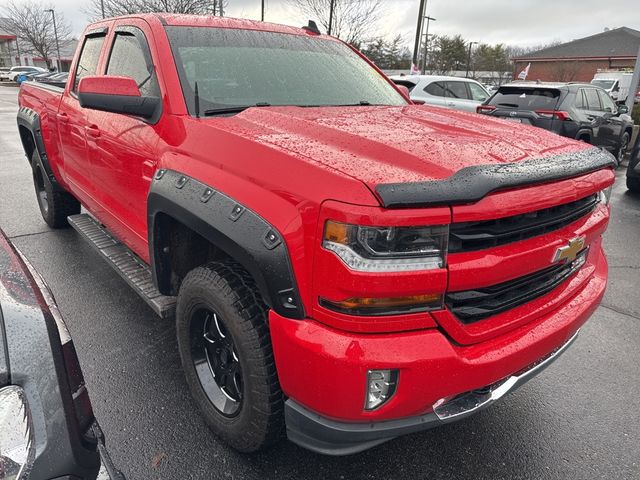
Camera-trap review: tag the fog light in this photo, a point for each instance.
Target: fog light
(17, 447)
(381, 385)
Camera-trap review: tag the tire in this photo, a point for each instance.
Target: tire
(221, 327)
(624, 145)
(55, 205)
(633, 184)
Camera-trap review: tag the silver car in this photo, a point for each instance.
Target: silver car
(449, 92)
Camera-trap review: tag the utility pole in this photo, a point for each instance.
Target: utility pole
(471, 44)
(55, 32)
(635, 84)
(426, 45)
(416, 48)
(262, 16)
(220, 3)
(332, 6)
(102, 7)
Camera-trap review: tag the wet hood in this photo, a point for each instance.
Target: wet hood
(392, 145)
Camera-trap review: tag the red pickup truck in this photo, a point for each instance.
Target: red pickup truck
(339, 261)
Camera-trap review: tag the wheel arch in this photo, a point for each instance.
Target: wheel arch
(584, 133)
(183, 212)
(29, 128)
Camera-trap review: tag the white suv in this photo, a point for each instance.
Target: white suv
(449, 92)
(15, 72)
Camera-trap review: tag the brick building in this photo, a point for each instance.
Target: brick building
(580, 59)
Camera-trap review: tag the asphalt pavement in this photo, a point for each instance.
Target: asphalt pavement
(580, 419)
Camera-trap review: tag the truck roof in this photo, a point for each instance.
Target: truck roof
(171, 19)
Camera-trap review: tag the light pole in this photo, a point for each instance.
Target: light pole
(416, 48)
(55, 32)
(102, 7)
(332, 4)
(262, 16)
(471, 44)
(426, 45)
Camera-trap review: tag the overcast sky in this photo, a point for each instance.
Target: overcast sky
(521, 22)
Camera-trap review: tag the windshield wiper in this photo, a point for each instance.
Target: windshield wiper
(514, 105)
(233, 109)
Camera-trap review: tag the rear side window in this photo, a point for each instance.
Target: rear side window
(88, 62)
(524, 98)
(593, 100)
(436, 89)
(457, 90)
(130, 57)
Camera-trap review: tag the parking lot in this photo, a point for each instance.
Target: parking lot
(578, 420)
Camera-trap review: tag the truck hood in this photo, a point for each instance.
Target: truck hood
(382, 145)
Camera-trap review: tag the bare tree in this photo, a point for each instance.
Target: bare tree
(352, 19)
(114, 8)
(33, 26)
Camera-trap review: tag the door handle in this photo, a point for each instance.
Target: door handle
(93, 131)
(63, 117)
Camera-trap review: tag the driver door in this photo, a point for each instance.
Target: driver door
(123, 147)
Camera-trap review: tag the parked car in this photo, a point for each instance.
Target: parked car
(449, 92)
(580, 111)
(616, 84)
(633, 170)
(342, 265)
(18, 70)
(47, 426)
(4, 73)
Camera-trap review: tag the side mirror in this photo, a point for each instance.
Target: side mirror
(404, 90)
(116, 95)
(622, 109)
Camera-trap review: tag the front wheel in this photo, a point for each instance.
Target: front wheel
(624, 145)
(226, 355)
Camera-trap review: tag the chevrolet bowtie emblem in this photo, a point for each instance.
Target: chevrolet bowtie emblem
(569, 252)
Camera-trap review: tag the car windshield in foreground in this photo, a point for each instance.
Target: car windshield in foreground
(235, 69)
(606, 84)
(526, 98)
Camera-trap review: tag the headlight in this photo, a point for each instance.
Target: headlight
(605, 195)
(17, 448)
(387, 249)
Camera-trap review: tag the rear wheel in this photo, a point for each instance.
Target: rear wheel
(227, 357)
(55, 205)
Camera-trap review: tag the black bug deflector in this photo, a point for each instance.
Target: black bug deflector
(471, 184)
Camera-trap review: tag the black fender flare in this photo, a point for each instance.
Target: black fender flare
(30, 120)
(585, 131)
(230, 226)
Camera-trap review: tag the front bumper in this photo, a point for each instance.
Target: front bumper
(322, 370)
(331, 437)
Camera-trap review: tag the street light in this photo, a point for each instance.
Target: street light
(262, 16)
(332, 4)
(55, 32)
(469, 58)
(426, 45)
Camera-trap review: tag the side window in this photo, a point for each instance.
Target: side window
(477, 92)
(457, 90)
(580, 103)
(593, 100)
(607, 103)
(436, 89)
(130, 57)
(89, 56)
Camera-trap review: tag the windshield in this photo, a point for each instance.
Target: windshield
(524, 98)
(606, 84)
(245, 67)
